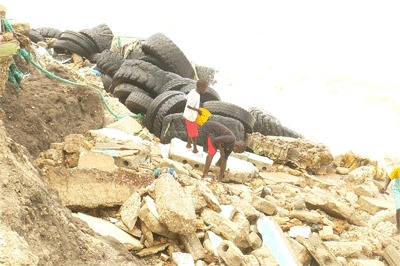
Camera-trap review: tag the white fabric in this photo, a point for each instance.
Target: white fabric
(192, 100)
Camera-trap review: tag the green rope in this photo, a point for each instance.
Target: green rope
(15, 75)
(7, 25)
(119, 46)
(29, 58)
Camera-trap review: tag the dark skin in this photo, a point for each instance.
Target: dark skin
(221, 163)
(193, 141)
(383, 191)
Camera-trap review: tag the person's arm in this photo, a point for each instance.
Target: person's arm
(207, 165)
(221, 162)
(225, 139)
(195, 109)
(383, 190)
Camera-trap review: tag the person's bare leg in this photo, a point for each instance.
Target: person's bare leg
(398, 221)
(189, 145)
(194, 141)
(207, 165)
(218, 163)
(222, 166)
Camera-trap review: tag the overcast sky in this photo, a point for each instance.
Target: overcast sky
(341, 33)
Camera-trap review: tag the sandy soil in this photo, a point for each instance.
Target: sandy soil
(45, 110)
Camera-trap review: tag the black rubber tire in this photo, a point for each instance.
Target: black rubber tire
(48, 32)
(206, 73)
(89, 34)
(233, 111)
(209, 95)
(68, 47)
(109, 62)
(135, 52)
(143, 75)
(168, 53)
(174, 126)
(93, 58)
(155, 105)
(138, 102)
(152, 60)
(103, 36)
(174, 104)
(79, 39)
(35, 36)
(123, 90)
(268, 125)
(106, 79)
(177, 84)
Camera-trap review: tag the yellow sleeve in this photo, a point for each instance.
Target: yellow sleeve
(395, 173)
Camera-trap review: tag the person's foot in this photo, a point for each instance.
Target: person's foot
(195, 151)
(188, 146)
(208, 179)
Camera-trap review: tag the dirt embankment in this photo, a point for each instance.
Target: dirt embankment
(45, 110)
(35, 227)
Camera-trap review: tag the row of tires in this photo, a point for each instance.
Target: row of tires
(153, 80)
(87, 43)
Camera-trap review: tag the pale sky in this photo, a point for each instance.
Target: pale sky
(328, 69)
(341, 33)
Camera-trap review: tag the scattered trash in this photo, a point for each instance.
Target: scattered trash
(162, 170)
(304, 231)
(95, 73)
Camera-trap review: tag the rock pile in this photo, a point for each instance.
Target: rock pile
(337, 217)
(290, 202)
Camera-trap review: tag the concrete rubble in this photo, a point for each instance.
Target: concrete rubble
(188, 221)
(245, 220)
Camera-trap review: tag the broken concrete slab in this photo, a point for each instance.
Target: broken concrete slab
(263, 205)
(281, 177)
(318, 251)
(226, 228)
(312, 217)
(230, 253)
(128, 155)
(351, 249)
(251, 213)
(240, 171)
(182, 259)
(366, 263)
(148, 214)
(212, 201)
(214, 241)
(91, 188)
(109, 229)
(90, 160)
(392, 256)
(129, 210)
(301, 153)
(318, 199)
(127, 124)
(327, 234)
(152, 250)
(374, 205)
(263, 164)
(266, 257)
(275, 242)
(193, 245)
(175, 211)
